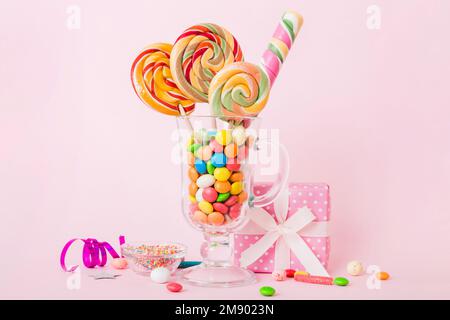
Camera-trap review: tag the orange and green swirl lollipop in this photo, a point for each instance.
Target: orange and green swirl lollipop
(198, 55)
(240, 89)
(153, 83)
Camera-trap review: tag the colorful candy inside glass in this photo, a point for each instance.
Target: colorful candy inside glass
(217, 170)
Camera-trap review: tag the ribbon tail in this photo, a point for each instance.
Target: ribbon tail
(305, 255)
(282, 260)
(257, 250)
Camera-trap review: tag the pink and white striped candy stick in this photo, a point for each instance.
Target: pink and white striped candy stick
(280, 44)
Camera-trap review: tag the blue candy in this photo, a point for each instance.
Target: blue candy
(219, 160)
(200, 166)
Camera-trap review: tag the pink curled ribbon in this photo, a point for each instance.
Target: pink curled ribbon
(94, 253)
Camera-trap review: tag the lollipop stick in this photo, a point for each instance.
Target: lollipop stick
(187, 121)
(213, 123)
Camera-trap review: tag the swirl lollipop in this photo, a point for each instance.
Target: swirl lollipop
(198, 54)
(242, 89)
(152, 81)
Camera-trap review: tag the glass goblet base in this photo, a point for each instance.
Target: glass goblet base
(218, 276)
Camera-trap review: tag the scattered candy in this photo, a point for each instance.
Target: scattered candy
(290, 273)
(314, 279)
(119, 263)
(160, 275)
(174, 287)
(267, 291)
(355, 268)
(279, 275)
(382, 275)
(341, 281)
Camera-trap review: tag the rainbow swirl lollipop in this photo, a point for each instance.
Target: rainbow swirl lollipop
(242, 89)
(198, 54)
(152, 81)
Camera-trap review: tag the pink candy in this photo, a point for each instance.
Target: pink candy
(174, 287)
(210, 194)
(220, 207)
(215, 146)
(231, 201)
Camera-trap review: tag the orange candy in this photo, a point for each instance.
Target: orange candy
(216, 218)
(231, 150)
(190, 159)
(193, 174)
(200, 217)
(193, 188)
(237, 176)
(222, 186)
(242, 197)
(382, 275)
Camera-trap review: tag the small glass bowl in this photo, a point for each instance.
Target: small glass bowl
(143, 257)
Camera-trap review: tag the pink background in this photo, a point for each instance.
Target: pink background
(366, 111)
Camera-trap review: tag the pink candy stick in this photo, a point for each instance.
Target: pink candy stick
(314, 279)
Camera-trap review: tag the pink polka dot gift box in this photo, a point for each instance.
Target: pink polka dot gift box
(290, 233)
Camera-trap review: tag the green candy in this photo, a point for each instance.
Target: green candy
(341, 281)
(210, 168)
(223, 197)
(267, 291)
(194, 147)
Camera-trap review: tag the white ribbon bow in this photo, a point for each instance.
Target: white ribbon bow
(287, 235)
